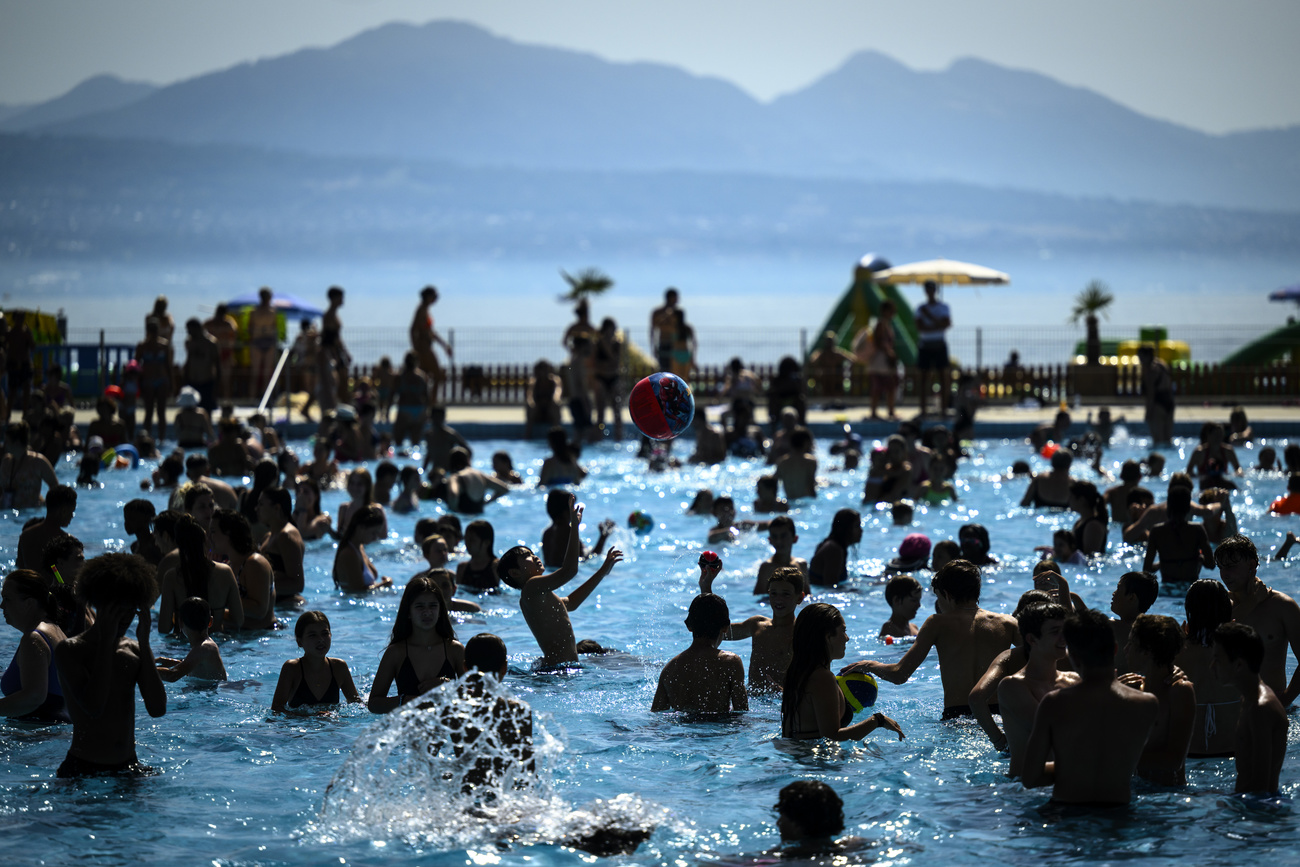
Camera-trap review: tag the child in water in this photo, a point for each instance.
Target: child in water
(903, 596)
(204, 659)
(315, 679)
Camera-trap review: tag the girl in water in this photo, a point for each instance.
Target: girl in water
(232, 541)
(353, 571)
(423, 652)
(361, 488)
(315, 679)
(561, 468)
(1090, 529)
(30, 684)
(1214, 726)
(311, 522)
(197, 575)
(829, 565)
(812, 705)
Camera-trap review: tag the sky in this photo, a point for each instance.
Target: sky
(1213, 65)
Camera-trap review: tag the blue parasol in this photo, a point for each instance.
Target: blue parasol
(1286, 293)
(282, 302)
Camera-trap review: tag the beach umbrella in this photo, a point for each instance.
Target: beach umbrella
(281, 302)
(1286, 293)
(942, 271)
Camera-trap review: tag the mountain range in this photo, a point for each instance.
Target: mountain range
(453, 93)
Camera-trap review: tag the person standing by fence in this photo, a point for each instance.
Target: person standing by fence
(1158, 393)
(263, 338)
(226, 332)
(333, 356)
(423, 338)
(663, 329)
(933, 319)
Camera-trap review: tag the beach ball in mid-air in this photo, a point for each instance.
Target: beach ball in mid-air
(641, 522)
(661, 406)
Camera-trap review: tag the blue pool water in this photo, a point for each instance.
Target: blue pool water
(238, 786)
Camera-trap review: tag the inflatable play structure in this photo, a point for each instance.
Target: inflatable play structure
(1276, 345)
(1123, 351)
(859, 306)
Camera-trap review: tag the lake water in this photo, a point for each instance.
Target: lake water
(238, 786)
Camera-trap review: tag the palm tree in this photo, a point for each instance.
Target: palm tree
(1093, 299)
(590, 281)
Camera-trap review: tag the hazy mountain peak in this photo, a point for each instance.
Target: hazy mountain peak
(95, 94)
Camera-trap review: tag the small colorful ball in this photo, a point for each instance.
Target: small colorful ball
(661, 406)
(640, 521)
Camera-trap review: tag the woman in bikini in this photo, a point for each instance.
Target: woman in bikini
(1182, 547)
(283, 548)
(315, 679)
(1214, 727)
(197, 575)
(1051, 490)
(1090, 529)
(155, 357)
(311, 522)
(812, 704)
(423, 651)
(353, 571)
(232, 542)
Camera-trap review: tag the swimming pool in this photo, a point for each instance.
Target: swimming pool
(240, 787)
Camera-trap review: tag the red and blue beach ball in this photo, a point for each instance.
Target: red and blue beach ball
(661, 406)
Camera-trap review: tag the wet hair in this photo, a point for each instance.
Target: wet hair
(1181, 480)
(1143, 585)
(1047, 564)
(899, 587)
(485, 652)
(1241, 641)
(449, 528)
(60, 496)
(511, 560)
(708, 615)
(1061, 460)
(386, 469)
(1032, 597)
(307, 618)
(808, 652)
(813, 805)
(697, 504)
(236, 528)
(368, 492)
(192, 494)
(1093, 499)
(278, 496)
(1139, 495)
(843, 525)
(409, 473)
(402, 628)
(1159, 636)
(902, 511)
(445, 580)
(1130, 471)
(192, 546)
(165, 522)
(125, 579)
(766, 484)
(960, 579)
(557, 505)
(1179, 504)
(60, 548)
(311, 485)
(976, 533)
(720, 502)
(1090, 638)
(948, 548)
(558, 440)
(483, 531)
(801, 439)
(430, 539)
(194, 613)
(457, 459)
(32, 585)
(782, 521)
(1031, 619)
(424, 527)
(1236, 549)
(1208, 606)
(194, 461)
(1065, 536)
(791, 575)
(371, 515)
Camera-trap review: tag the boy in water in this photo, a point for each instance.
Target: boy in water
(1096, 729)
(1273, 615)
(60, 506)
(137, 520)
(771, 637)
(546, 613)
(204, 659)
(1134, 594)
(1042, 634)
(1153, 643)
(781, 535)
(903, 596)
(702, 678)
(1261, 727)
(808, 815)
(968, 638)
(727, 528)
(100, 669)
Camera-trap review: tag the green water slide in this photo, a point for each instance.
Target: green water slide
(859, 305)
(1271, 347)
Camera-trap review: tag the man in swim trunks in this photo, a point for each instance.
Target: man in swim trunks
(19, 346)
(22, 470)
(968, 639)
(1275, 616)
(663, 327)
(1094, 730)
(933, 318)
(263, 338)
(100, 669)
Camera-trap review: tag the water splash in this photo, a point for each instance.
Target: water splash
(468, 766)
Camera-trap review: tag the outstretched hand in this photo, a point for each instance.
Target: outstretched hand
(613, 556)
(885, 722)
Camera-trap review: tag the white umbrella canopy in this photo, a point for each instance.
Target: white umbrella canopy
(942, 271)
